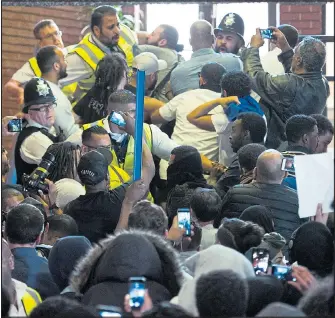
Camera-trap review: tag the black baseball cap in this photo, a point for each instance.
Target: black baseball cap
(231, 22)
(37, 92)
(93, 166)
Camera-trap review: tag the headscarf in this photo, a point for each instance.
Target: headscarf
(185, 167)
(63, 257)
(260, 215)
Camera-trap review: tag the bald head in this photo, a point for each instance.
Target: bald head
(201, 35)
(268, 167)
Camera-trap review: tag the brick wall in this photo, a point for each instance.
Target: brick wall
(307, 18)
(18, 41)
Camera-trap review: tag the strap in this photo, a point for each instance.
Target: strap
(34, 66)
(121, 150)
(117, 173)
(30, 300)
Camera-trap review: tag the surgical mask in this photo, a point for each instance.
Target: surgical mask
(118, 137)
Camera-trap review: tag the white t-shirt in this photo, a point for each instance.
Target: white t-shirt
(64, 119)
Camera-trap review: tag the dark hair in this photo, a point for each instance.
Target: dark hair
(41, 25)
(324, 124)
(212, 73)
(7, 193)
(99, 12)
(148, 216)
(63, 224)
(246, 234)
(66, 161)
(46, 57)
(291, 34)
(24, 224)
(297, 126)
(60, 306)
(319, 299)
(236, 83)
(94, 130)
(255, 124)
(170, 34)
(166, 309)
(37, 204)
(248, 155)
(122, 97)
(226, 238)
(108, 75)
(205, 204)
(221, 293)
(313, 54)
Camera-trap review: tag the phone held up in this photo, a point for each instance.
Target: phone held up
(117, 119)
(109, 311)
(260, 260)
(288, 165)
(184, 220)
(136, 292)
(267, 33)
(15, 125)
(283, 272)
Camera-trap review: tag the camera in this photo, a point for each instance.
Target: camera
(35, 181)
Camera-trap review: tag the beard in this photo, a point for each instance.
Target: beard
(62, 74)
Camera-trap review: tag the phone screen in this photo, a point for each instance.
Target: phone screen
(267, 33)
(288, 165)
(184, 220)
(15, 125)
(104, 313)
(260, 260)
(283, 272)
(117, 119)
(136, 292)
(109, 311)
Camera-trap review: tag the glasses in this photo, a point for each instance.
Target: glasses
(51, 35)
(90, 148)
(44, 108)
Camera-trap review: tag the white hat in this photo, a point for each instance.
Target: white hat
(67, 191)
(149, 63)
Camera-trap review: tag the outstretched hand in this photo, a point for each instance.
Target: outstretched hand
(136, 191)
(130, 124)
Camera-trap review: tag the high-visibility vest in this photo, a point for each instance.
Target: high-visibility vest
(30, 300)
(91, 54)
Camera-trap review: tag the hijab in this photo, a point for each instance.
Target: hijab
(260, 215)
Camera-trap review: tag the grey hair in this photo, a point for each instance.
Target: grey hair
(313, 54)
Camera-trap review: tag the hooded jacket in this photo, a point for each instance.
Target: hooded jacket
(102, 276)
(202, 263)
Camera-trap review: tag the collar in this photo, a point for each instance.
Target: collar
(24, 251)
(201, 52)
(311, 75)
(298, 148)
(99, 44)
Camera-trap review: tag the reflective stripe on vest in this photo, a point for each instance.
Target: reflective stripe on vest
(34, 66)
(91, 54)
(30, 300)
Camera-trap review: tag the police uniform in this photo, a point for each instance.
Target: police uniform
(83, 60)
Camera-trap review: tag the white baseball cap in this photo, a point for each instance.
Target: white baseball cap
(149, 63)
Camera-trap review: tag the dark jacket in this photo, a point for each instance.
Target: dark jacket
(102, 276)
(33, 270)
(281, 200)
(230, 178)
(285, 95)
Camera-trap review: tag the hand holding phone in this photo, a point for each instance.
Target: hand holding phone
(184, 220)
(267, 34)
(288, 165)
(283, 272)
(260, 260)
(136, 292)
(15, 125)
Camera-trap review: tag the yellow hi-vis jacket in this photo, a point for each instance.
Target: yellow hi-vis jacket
(30, 300)
(89, 52)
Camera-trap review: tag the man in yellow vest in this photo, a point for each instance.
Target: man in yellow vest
(22, 298)
(107, 36)
(46, 32)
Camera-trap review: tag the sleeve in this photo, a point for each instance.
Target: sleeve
(168, 111)
(162, 145)
(270, 88)
(24, 74)
(119, 193)
(220, 122)
(34, 147)
(76, 70)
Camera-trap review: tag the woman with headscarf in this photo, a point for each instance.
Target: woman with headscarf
(260, 215)
(184, 175)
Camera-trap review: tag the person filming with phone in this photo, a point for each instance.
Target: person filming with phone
(301, 90)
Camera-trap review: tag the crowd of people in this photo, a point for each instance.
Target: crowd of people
(81, 237)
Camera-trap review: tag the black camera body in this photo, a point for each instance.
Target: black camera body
(35, 181)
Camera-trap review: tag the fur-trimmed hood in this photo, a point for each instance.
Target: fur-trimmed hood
(129, 253)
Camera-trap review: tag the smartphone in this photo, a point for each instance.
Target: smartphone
(267, 33)
(260, 260)
(117, 119)
(283, 272)
(136, 292)
(288, 165)
(184, 220)
(15, 125)
(109, 311)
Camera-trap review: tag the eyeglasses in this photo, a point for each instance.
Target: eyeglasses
(90, 148)
(56, 34)
(44, 108)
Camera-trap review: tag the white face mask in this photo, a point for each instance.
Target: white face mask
(118, 137)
